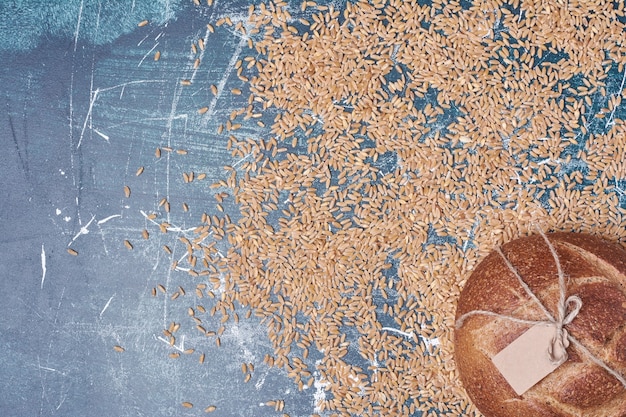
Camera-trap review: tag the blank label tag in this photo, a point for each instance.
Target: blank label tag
(526, 361)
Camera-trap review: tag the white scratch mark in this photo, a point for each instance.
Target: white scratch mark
(43, 387)
(222, 83)
(106, 305)
(102, 90)
(105, 137)
(431, 342)
(104, 243)
(45, 368)
(180, 348)
(83, 230)
(150, 119)
(71, 103)
(549, 161)
(62, 401)
(170, 228)
(91, 79)
(410, 335)
(179, 268)
(146, 55)
(80, 14)
(242, 159)
(106, 219)
(610, 121)
(43, 265)
(144, 38)
(94, 97)
(260, 382)
(170, 123)
(183, 257)
(205, 39)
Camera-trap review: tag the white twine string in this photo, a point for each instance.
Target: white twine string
(573, 304)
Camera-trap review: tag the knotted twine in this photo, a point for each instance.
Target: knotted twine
(557, 351)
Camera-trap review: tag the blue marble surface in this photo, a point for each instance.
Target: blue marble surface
(84, 105)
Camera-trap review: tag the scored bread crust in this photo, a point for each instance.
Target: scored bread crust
(595, 270)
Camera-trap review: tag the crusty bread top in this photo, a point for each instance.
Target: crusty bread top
(596, 272)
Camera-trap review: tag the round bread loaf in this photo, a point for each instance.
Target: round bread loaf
(595, 271)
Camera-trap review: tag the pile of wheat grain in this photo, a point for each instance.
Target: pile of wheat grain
(409, 139)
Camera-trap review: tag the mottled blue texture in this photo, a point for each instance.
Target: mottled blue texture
(24, 24)
(67, 153)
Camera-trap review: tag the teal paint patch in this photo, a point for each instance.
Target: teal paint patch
(24, 24)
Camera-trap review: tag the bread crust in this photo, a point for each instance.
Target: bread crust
(596, 272)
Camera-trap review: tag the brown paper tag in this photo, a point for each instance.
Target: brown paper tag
(526, 360)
